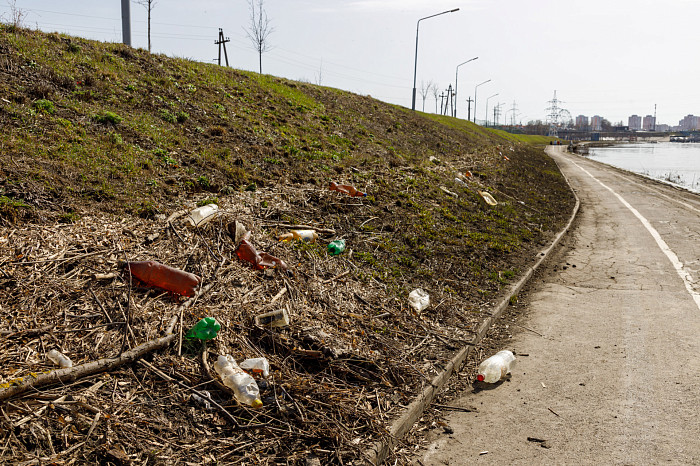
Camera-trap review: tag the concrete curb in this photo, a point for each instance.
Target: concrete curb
(378, 454)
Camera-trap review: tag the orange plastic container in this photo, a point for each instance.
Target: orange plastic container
(155, 274)
(259, 260)
(347, 189)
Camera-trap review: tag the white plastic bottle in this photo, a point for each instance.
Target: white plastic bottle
(243, 385)
(59, 359)
(202, 215)
(496, 367)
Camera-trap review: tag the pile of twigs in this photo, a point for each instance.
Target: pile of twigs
(352, 358)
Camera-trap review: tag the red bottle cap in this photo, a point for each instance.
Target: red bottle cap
(480, 377)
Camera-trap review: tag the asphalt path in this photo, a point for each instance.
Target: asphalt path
(609, 372)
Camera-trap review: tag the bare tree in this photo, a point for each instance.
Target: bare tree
(425, 90)
(17, 15)
(148, 5)
(435, 90)
(259, 30)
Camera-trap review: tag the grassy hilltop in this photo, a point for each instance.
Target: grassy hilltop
(99, 143)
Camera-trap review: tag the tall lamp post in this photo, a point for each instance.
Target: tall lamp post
(415, 65)
(487, 108)
(475, 88)
(456, 72)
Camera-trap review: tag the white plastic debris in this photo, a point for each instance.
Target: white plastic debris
(418, 299)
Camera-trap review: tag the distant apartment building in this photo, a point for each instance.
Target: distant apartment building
(582, 121)
(663, 128)
(634, 122)
(649, 123)
(689, 123)
(596, 123)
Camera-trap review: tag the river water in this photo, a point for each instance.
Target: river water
(672, 162)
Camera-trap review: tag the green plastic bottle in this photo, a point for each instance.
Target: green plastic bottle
(336, 247)
(205, 329)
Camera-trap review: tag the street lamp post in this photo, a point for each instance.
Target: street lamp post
(487, 108)
(475, 88)
(415, 65)
(456, 72)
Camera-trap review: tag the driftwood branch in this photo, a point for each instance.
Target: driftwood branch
(72, 373)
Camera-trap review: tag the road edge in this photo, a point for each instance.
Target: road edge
(378, 454)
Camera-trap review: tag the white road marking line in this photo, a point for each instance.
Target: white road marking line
(677, 264)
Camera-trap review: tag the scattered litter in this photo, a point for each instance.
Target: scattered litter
(259, 366)
(161, 276)
(419, 299)
(496, 368)
(260, 261)
(447, 191)
(483, 453)
(202, 401)
(279, 318)
(488, 198)
(543, 385)
(347, 189)
(202, 215)
(205, 329)
(59, 359)
(309, 236)
(244, 387)
(336, 247)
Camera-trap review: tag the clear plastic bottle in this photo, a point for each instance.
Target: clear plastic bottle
(496, 367)
(244, 387)
(59, 359)
(153, 273)
(203, 215)
(309, 236)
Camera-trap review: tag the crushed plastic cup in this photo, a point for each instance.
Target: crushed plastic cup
(205, 329)
(419, 299)
(202, 215)
(278, 318)
(488, 198)
(256, 366)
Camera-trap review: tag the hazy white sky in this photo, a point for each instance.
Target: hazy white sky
(612, 58)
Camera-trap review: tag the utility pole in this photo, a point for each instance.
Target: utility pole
(126, 22)
(222, 41)
(469, 108)
(450, 100)
(442, 100)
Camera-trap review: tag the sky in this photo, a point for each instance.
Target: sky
(612, 58)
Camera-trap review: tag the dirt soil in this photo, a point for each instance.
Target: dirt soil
(81, 191)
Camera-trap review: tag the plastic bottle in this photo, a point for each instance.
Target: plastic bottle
(309, 236)
(256, 366)
(59, 359)
(153, 273)
(279, 318)
(336, 247)
(203, 215)
(496, 367)
(244, 387)
(248, 253)
(347, 189)
(205, 329)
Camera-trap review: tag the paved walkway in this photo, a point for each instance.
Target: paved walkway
(616, 377)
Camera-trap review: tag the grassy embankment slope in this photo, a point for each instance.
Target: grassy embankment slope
(92, 129)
